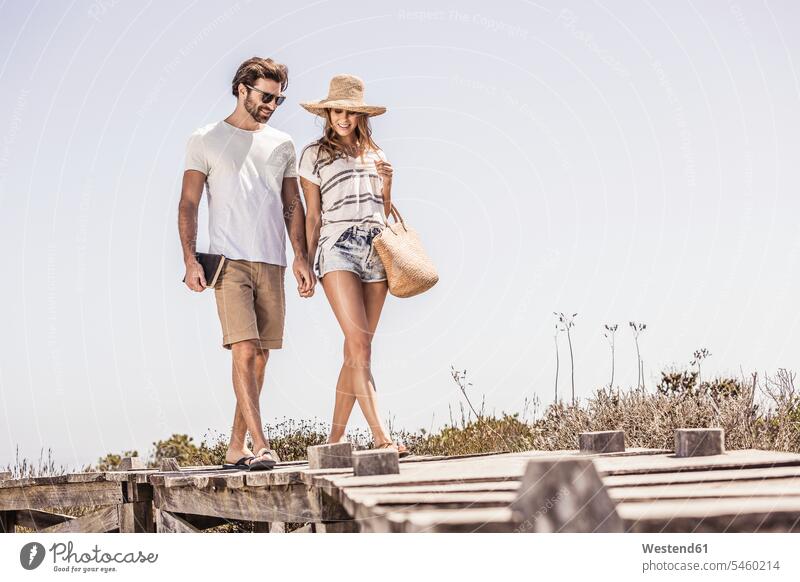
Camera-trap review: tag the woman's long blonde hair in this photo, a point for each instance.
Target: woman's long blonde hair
(331, 145)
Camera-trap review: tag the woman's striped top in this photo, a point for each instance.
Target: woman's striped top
(350, 189)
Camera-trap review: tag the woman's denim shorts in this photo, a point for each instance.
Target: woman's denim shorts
(353, 251)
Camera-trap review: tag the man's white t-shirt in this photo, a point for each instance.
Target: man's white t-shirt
(244, 176)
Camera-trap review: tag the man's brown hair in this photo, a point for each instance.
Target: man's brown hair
(257, 68)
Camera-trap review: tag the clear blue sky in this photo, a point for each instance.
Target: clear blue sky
(626, 161)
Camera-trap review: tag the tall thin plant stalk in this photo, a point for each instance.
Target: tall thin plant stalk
(555, 338)
(699, 356)
(568, 322)
(637, 329)
(609, 334)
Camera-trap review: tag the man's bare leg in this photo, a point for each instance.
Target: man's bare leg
(238, 446)
(249, 363)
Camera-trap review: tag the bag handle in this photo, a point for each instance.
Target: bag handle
(397, 218)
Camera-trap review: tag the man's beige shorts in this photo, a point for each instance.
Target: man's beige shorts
(251, 303)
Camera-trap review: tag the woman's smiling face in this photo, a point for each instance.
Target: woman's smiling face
(343, 121)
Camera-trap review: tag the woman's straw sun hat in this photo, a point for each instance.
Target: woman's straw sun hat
(345, 92)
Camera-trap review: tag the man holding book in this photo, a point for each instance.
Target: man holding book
(249, 172)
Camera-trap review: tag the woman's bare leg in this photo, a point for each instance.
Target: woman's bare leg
(342, 408)
(347, 299)
(374, 298)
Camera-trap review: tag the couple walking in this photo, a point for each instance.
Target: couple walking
(250, 171)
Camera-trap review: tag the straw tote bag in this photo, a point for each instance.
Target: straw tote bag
(409, 269)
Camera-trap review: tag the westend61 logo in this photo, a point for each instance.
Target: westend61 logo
(65, 559)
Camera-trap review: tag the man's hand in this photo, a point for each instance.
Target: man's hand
(306, 280)
(195, 278)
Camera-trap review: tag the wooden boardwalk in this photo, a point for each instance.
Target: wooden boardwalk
(649, 491)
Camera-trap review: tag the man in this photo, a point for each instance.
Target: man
(249, 171)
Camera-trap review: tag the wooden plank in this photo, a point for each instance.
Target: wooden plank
(749, 458)
(441, 487)
(604, 441)
(281, 476)
(375, 462)
(202, 522)
(169, 464)
(497, 468)
(292, 503)
(330, 456)
(425, 458)
(136, 517)
(469, 498)
(363, 505)
(130, 463)
(171, 480)
(98, 493)
(39, 520)
(699, 442)
(461, 521)
(5, 475)
(743, 489)
(169, 523)
(765, 514)
(701, 476)
(100, 521)
(498, 520)
(226, 481)
(52, 480)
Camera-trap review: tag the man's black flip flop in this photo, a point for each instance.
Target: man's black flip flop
(240, 464)
(267, 464)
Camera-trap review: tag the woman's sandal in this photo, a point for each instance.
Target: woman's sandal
(402, 451)
(267, 464)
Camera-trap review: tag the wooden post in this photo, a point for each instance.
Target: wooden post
(8, 521)
(169, 464)
(605, 441)
(167, 522)
(131, 463)
(376, 462)
(334, 456)
(136, 517)
(564, 495)
(699, 442)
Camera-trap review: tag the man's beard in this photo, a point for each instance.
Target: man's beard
(253, 109)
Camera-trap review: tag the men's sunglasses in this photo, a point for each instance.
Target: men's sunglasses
(268, 97)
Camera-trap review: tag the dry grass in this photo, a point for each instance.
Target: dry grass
(758, 413)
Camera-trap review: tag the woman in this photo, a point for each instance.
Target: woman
(347, 184)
